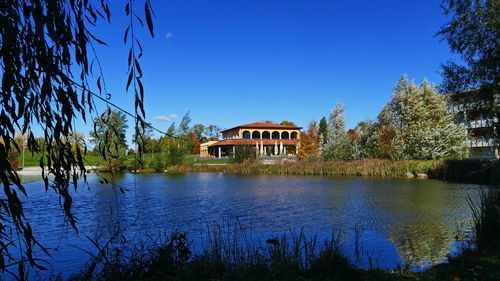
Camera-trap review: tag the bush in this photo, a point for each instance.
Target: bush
(244, 153)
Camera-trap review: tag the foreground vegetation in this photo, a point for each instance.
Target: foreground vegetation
(470, 170)
(228, 252)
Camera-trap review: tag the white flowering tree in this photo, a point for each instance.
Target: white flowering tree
(336, 145)
(416, 124)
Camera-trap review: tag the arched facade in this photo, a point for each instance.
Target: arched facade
(255, 135)
(275, 135)
(267, 139)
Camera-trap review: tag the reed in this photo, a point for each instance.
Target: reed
(486, 221)
(471, 171)
(230, 252)
(366, 168)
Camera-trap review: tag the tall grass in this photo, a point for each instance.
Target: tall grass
(471, 171)
(486, 221)
(229, 252)
(367, 167)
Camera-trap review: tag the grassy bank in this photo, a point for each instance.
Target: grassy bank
(473, 171)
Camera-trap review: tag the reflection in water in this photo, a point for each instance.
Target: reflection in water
(402, 220)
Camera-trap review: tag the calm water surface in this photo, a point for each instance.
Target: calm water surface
(401, 219)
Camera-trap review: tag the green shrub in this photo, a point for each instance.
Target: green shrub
(244, 153)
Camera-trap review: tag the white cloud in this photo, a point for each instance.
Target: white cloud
(165, 118)
(169, 35)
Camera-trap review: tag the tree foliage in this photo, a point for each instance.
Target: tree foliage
(416, 124)
(309, 142)
(363, 140)
(46, 60)
(287, 123)
(109, 135)
(323, 129)
(336, 145)
(473, 32)
(244, 153)
(198, 130)
(212, 131)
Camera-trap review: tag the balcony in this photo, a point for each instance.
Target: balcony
(480, 142)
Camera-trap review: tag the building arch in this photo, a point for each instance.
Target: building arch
(294, 135)
(246, 134)
(285, 135)
(275, 135)
(266, 135)
(255, 135)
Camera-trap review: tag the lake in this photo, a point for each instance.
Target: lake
(410, 220)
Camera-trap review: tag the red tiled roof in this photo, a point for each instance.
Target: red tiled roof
(261, 125)
(253, 142)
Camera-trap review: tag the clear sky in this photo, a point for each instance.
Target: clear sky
(235, 62)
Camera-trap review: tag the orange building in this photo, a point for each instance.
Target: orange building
(268, 139)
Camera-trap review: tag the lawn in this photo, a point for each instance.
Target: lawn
(33, 160)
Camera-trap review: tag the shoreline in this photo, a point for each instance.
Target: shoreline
(474, 171)
(37, 171)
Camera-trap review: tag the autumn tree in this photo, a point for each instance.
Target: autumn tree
(287, 123)
(309, 142)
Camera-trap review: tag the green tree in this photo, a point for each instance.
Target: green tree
(364, 140)
(171, 130)
(184, 128)
(145, 138)
(337, 142)
(287, 123)
(244, 153)
(323, 129)
(416, 124)
(172, 153)
(473, 32)
(109, 135)
(213, 131)
(45, 74)
(198, 130)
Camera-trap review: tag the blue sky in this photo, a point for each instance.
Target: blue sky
(234, 62)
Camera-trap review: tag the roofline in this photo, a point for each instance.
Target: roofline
(257, 141)
(284, 128)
